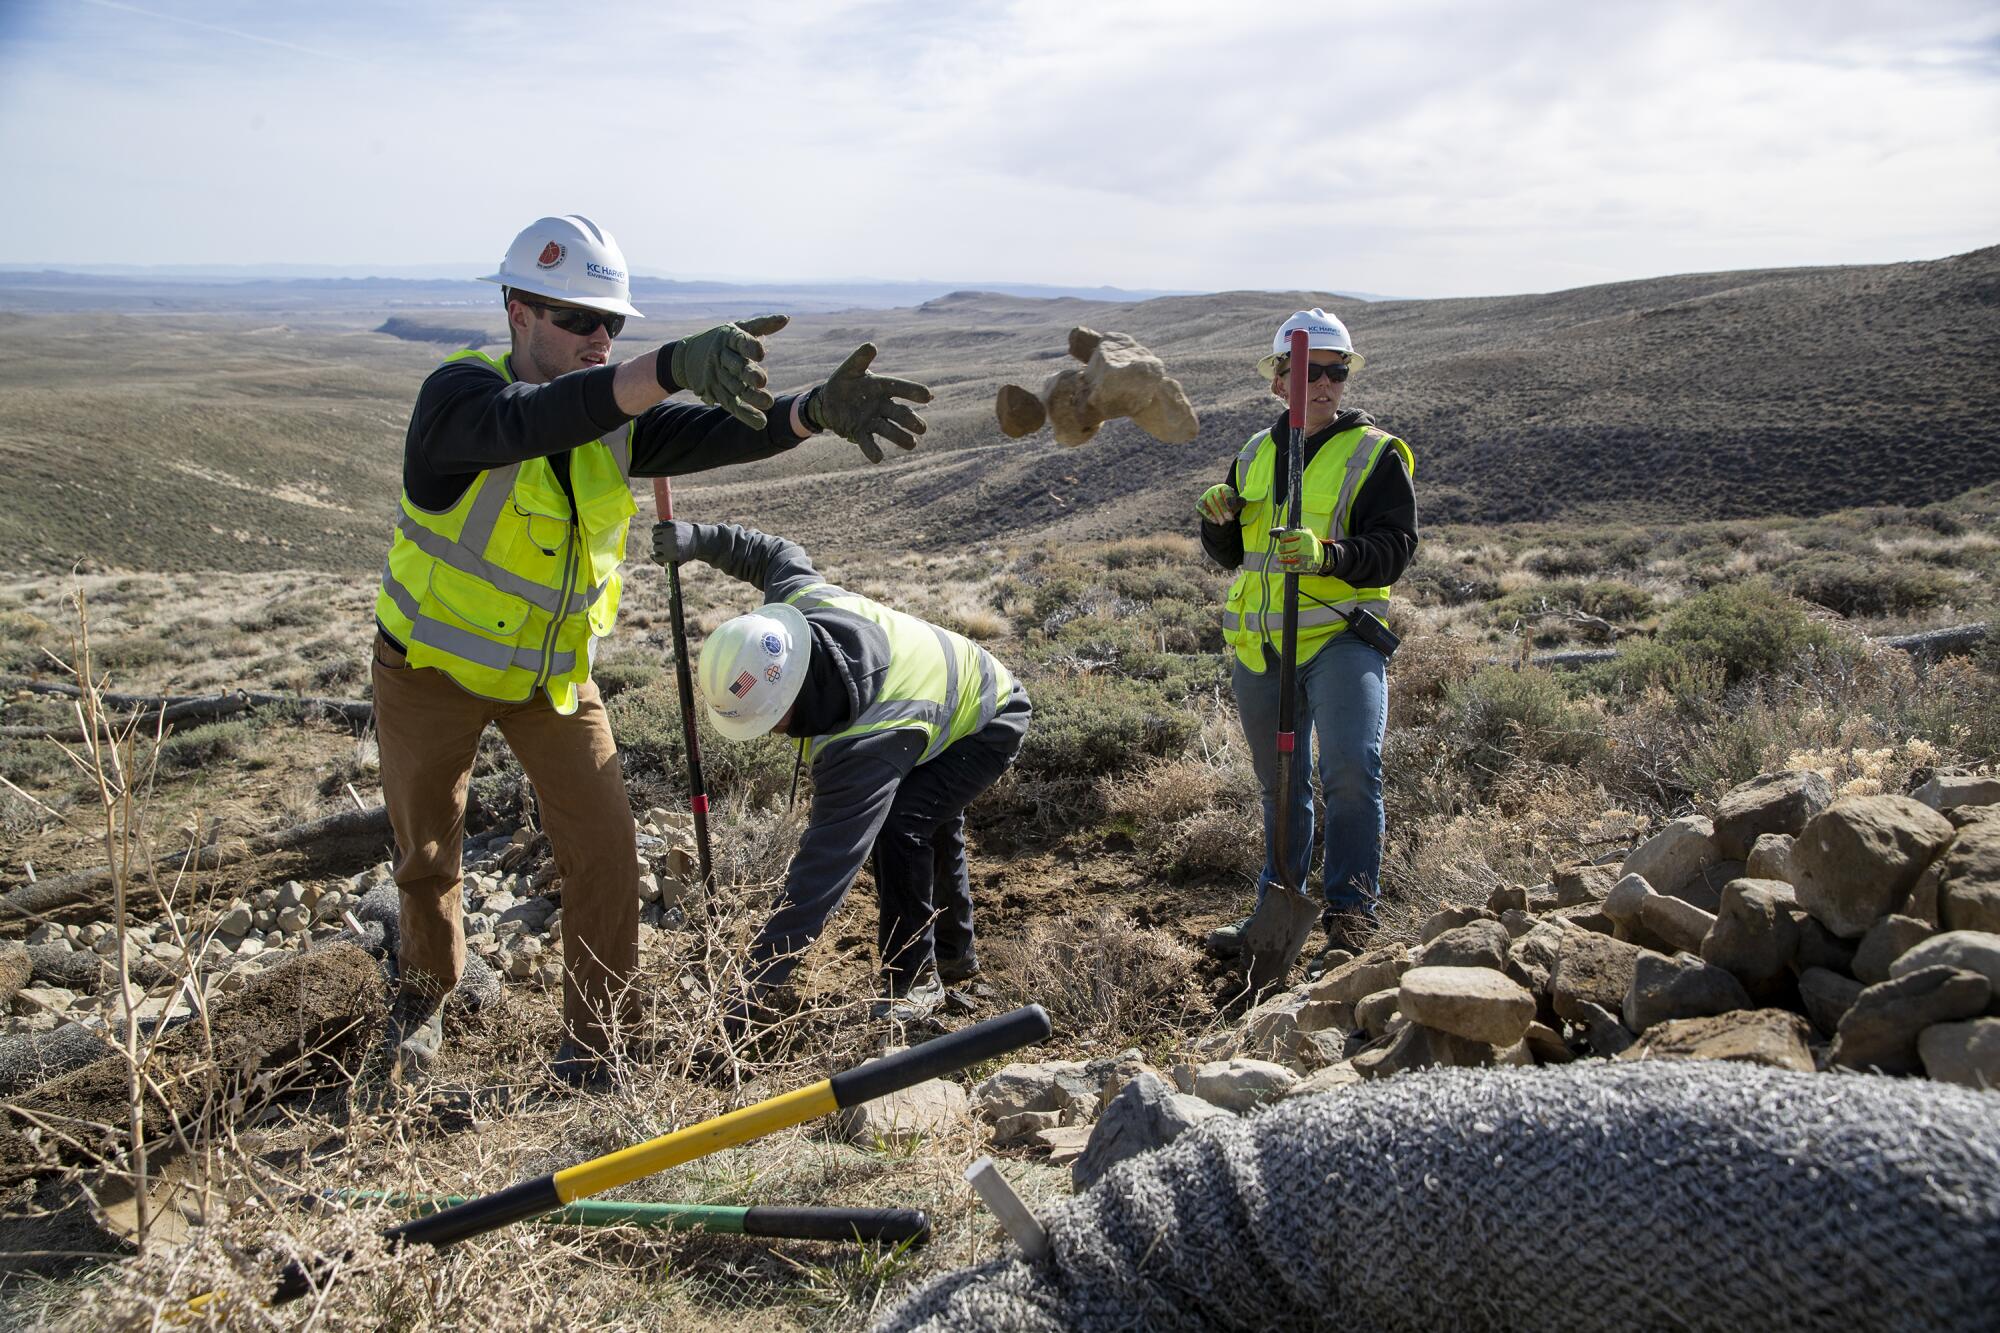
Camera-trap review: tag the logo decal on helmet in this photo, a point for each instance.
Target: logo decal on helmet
(773, 645)
(743, 684)
(605, 271)
(551, 255)
(773, 672)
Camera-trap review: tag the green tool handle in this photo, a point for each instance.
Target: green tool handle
(894, 1225)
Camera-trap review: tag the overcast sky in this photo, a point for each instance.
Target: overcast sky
(1412, 149)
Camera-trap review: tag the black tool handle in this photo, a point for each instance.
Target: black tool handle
(942, 1055)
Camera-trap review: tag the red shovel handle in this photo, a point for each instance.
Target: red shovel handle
(663, 496)
(1296, 390)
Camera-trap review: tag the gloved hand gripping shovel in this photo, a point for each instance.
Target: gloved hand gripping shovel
(1284, 919)
(663, 500)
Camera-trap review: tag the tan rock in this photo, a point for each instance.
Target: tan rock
(926, 1111)
(1969, 885)
(1675, 855)
(1476, 1003)
(1855, 861)
(1169, 417)
(1353, 982)
(1964, 1053)
(1886, 941)
(1773, 1037)
(1020, 412)
(1067, 397)
(1591, 968)
(1770, 858)
(1768, 803)
(1681, 924)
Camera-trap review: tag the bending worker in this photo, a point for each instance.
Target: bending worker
(1359, 534)
(904, 723)
(503, 574)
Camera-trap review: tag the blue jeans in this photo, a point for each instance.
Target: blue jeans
(1343, 701)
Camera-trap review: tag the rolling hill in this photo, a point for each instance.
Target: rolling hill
(271, 438)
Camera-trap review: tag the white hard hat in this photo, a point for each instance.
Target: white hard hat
(751, 670)
(1323, 331)
(572, 259)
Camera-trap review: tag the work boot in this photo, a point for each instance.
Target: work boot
(1347, 937)
(951, 970)
(1227, 941)
(580, 1067)
(414, 1037)
(914, 1005)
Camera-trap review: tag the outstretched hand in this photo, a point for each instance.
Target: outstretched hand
(859, 406)
(721, 368)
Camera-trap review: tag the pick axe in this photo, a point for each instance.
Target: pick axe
(1284, 919)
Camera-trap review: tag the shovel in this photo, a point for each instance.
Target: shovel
(1279, 927)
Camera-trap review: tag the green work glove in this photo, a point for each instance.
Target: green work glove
(1220, 503)
(1298, 550)
(858, 406)
(720, 367)
(673, 541)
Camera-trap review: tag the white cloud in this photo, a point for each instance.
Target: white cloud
(1422, 149)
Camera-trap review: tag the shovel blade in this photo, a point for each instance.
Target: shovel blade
(1277, 932)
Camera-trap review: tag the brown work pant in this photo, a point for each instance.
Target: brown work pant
(428, 729)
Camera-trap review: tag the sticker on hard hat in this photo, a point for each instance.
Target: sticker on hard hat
(774, 645)
(772, 672)
(551, 255)
(743, 684)
(605, 271)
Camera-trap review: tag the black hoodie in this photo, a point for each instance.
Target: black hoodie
(1383, 536)
(854, 783)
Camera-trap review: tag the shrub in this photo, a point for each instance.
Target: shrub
(647, 722)
(617, 676)
(1746, 628)
(1087, 727)
(1871, 587)
(209, 744)
(1099, 976)
(1501, 717)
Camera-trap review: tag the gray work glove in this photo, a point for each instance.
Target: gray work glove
(673, 542)
(858, 406)
(720, 367)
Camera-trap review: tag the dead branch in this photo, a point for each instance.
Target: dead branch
(46, 898)
(354, 711)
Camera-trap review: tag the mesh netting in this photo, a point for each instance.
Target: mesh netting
(1599, 1196)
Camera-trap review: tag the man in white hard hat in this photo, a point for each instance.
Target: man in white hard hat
(905, 724)
(1359, 534)
(503, 574)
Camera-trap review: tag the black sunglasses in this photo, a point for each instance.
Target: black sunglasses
(575, 319)
(1336, 372)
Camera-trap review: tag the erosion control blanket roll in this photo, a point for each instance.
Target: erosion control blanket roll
(1684, 1195)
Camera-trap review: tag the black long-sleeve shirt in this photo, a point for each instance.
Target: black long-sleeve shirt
(468, 419)
(1382, 536)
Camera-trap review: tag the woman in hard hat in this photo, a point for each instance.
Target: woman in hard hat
(1358, 535)
(905, 724)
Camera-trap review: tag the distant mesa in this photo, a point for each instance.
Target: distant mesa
(409, 330)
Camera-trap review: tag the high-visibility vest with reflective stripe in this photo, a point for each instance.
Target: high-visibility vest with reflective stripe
(940, 683)
(508, 589)
(1255, 614)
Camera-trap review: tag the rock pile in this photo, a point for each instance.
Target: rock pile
(59, 990)
(1785, 928)
(1119, 378)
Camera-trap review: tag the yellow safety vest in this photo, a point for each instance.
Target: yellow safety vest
(1255, 613)
(930, 684)
(508, 590)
